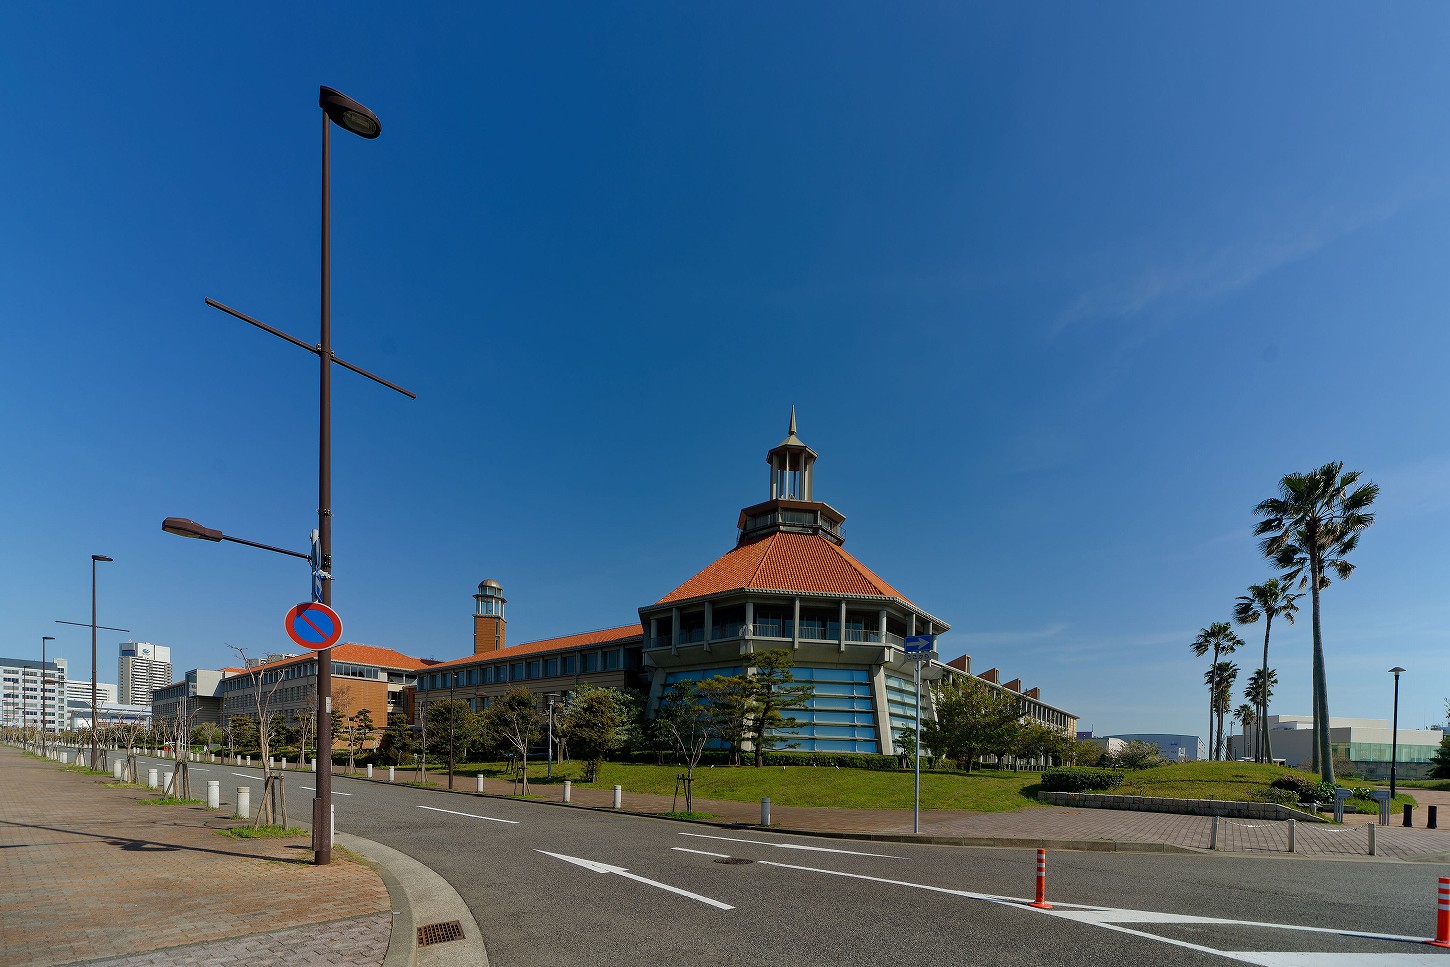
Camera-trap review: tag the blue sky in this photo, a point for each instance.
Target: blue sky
(1059, 293)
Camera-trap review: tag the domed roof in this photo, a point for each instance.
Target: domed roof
(488, 583)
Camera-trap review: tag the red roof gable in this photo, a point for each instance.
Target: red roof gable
(622, 633)
(786, 562)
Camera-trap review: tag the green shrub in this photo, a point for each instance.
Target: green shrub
(1078, 779)
(1304, 789)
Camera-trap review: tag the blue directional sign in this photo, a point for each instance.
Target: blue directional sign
(314, 625)
(919, 644)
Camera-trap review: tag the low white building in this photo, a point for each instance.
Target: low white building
(1173, 747)
(1366, 743)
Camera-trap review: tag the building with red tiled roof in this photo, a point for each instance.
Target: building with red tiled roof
(788, 584)
(363, 677)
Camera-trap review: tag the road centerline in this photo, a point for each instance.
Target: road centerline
(511, 822)
(798, 846)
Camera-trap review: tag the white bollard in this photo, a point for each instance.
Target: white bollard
(480, 783)
(390, 773)
(116, 768)
(618, 797)
(271, 764)
(370, 770)
(213, 794)
(1293, 825)
(566, 790)
(765, 811)
(1213, 835)
(151, 779)
(165, 783)
(244, 802)
(314, 765)
(332, 823)
(1372, 850)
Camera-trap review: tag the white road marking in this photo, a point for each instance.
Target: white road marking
(621, 871)
(700, 852)
(511, 822)
(334, 792)
(245, 776)
(813, 849)
(1112, 919)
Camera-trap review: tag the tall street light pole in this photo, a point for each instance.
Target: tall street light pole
(95, 721)
(339, 109)
(44, 698)
(1395, 730)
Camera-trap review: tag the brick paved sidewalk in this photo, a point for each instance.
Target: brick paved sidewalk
(90, 873)
(1092, 828)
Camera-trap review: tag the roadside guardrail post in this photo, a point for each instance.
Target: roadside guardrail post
(566, 790)
(765, 811)
(244, 802)
(618, 797)
(213, 794)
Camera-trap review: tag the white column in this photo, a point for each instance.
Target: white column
(244, 802)
(841, 626)
(213, 794)
(795, 638)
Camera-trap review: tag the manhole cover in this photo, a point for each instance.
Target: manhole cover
(733, 860)
(431, 933)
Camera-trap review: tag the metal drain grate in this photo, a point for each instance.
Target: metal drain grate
(431, 933)
(733, 860)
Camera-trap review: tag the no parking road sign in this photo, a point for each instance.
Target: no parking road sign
(314, 625)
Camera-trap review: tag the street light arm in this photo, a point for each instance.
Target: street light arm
(87, 624)
(315, 350)
(267, 547)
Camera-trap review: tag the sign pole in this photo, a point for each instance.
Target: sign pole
(916, 792)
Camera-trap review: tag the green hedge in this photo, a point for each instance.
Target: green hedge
(1080, 779)
(840, 760)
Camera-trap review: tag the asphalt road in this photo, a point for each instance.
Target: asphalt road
(552, 885)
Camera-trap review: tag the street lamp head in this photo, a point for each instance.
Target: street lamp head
(349, 114)
(101, 557)
(47, 637)
(182, 527)
(1396, 671)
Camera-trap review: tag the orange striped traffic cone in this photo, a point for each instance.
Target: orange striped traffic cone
(1442, 918)
(1041, 902)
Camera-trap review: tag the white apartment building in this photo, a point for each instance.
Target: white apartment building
(142, 668)
(28, 688)
(79, 690)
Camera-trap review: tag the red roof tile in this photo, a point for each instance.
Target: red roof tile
(603, 636)
(354, 652)
(783, 561)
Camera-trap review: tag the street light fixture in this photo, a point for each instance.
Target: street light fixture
(351, 116)
(44, 698)
(1395, 730)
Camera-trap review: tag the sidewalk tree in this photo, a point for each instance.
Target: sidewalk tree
(774, 692)
(1309, 530)
(1441, 760)
(513, 721)
(1220, 639)
(597, 722)
(686, 718)
(452, 726)
(1268, 600)
(973, 719)
(272, 810)
(358, 731)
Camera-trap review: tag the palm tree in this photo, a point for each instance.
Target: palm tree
(1270, 599)
(1246, 715)
(1220, 681)
(1309, 529)
(1219, 638)
(1256, 692)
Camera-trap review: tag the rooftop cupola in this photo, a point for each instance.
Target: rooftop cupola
(489, 626)
(792, 506)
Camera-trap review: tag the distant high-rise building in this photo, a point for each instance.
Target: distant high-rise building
(28, 689)
(79, 689)
(142, 667)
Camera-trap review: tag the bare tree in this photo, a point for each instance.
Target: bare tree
(273, 808)
(178, 733)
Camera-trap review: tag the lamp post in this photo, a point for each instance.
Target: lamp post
(95, 719)
(44, 698)
(551, 737)
(1395, 730)
(339, 109)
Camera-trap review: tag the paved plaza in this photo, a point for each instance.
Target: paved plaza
(91, 874)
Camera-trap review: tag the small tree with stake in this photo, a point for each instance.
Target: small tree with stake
(513, 721)
(453, 725)
(273, 808)
(685, 716)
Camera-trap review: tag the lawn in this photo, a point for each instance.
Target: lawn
(985, 791)
(1226, 782)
